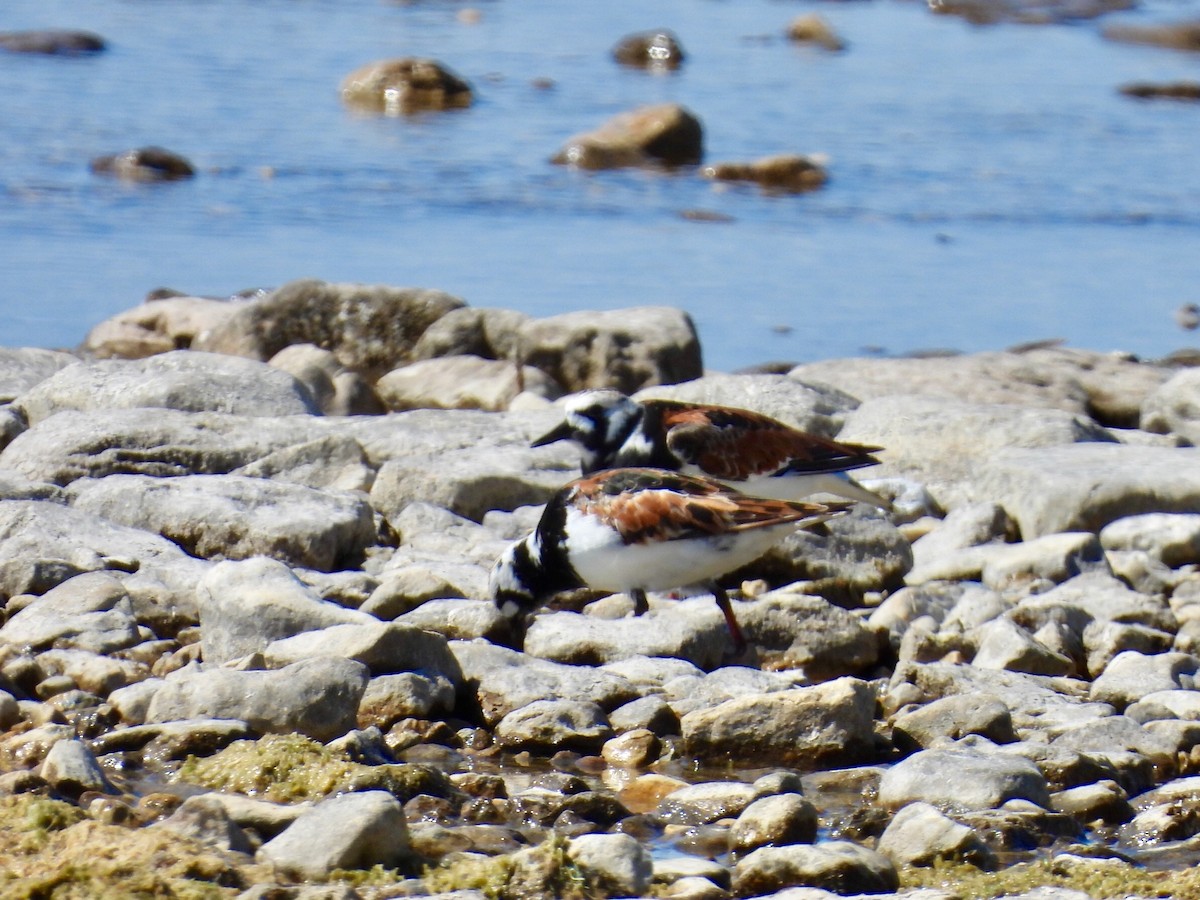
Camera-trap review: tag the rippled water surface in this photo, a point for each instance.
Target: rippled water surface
(989, 185)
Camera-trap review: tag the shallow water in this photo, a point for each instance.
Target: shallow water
(989, 185)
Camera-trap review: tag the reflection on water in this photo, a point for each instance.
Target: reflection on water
(988, 185)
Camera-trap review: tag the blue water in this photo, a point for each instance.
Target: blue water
(988, 184)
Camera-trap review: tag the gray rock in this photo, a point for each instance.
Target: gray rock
(370, 329)
(87, 612)
(1103, 801)
(1132, 675)
(962, 779)
(159, 442)
(469, 482)
(1104, 640)
(180, 380)
(234, 517)
(1124, 743)
(1083, 487)
(337, 392)
(696, 635)
(693, 691)
(795, 631)
(390, 698)
(841, 560)
(1054, 557)
(774, 822)
(1171, 408)
(350, 831)
(331, 462)
(23, 368)
(1171, 538)
(929, 602)
(157, 326)
(94, 673)
(44, 544)
(71, 768)
(942, 443)
(10, 711)
(385, 648)
(506, 680)
(1039, 706)
(1168, 704)
(652, 714)
(838, 865)
(462, 382)
(205, 819)
(317, 697)
(619, 862)
(967, 526)
(245, 605)
(625, 349)
(1003, 644)
(488, 333)
(920, 835)
(706, 802)
(1099, 597)
(954, 717)
(830, 724)
(1077, 381)
(461, 620)
(555, 724)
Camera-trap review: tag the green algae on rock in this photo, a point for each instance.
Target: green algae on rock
(53, 849)
(289, 768)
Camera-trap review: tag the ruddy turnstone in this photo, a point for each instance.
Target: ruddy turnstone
(746, 450)
(641, 529)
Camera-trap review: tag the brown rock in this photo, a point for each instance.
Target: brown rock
(145, 164)
(788, 173)
(666, 134)
(1174, 36)
(649, 50)
(55, 42)
(813, 29)
(404, 86)
(1179, 90)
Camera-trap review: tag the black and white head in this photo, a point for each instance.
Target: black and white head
(600, 422)
(510, 581)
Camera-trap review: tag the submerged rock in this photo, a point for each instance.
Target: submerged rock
(664, 135)
(405, 86)
(145, 164)
(649, 50)
(788, 173)
(53, 42)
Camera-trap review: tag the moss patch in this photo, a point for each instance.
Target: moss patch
(1099, 879)
(52, 851)
(287, 768)
(544, 872)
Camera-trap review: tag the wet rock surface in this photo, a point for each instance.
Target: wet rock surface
(405, 86)
(232, 618)
(663, 135)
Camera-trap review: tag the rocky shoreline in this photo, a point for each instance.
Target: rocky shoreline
(247, 649)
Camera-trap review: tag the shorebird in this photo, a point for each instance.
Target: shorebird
(635, 530)
(746, 450)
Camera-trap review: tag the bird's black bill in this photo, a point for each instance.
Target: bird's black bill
(560, 433)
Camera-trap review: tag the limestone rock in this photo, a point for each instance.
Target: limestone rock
(624, 349)
(962, 779)
(317, 697)
(830, 724)
(840, 866)
(156, 326)
(349, 831)
(234, 517)
(461, 382)
(370, 329)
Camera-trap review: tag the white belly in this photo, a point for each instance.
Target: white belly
(605, 563)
